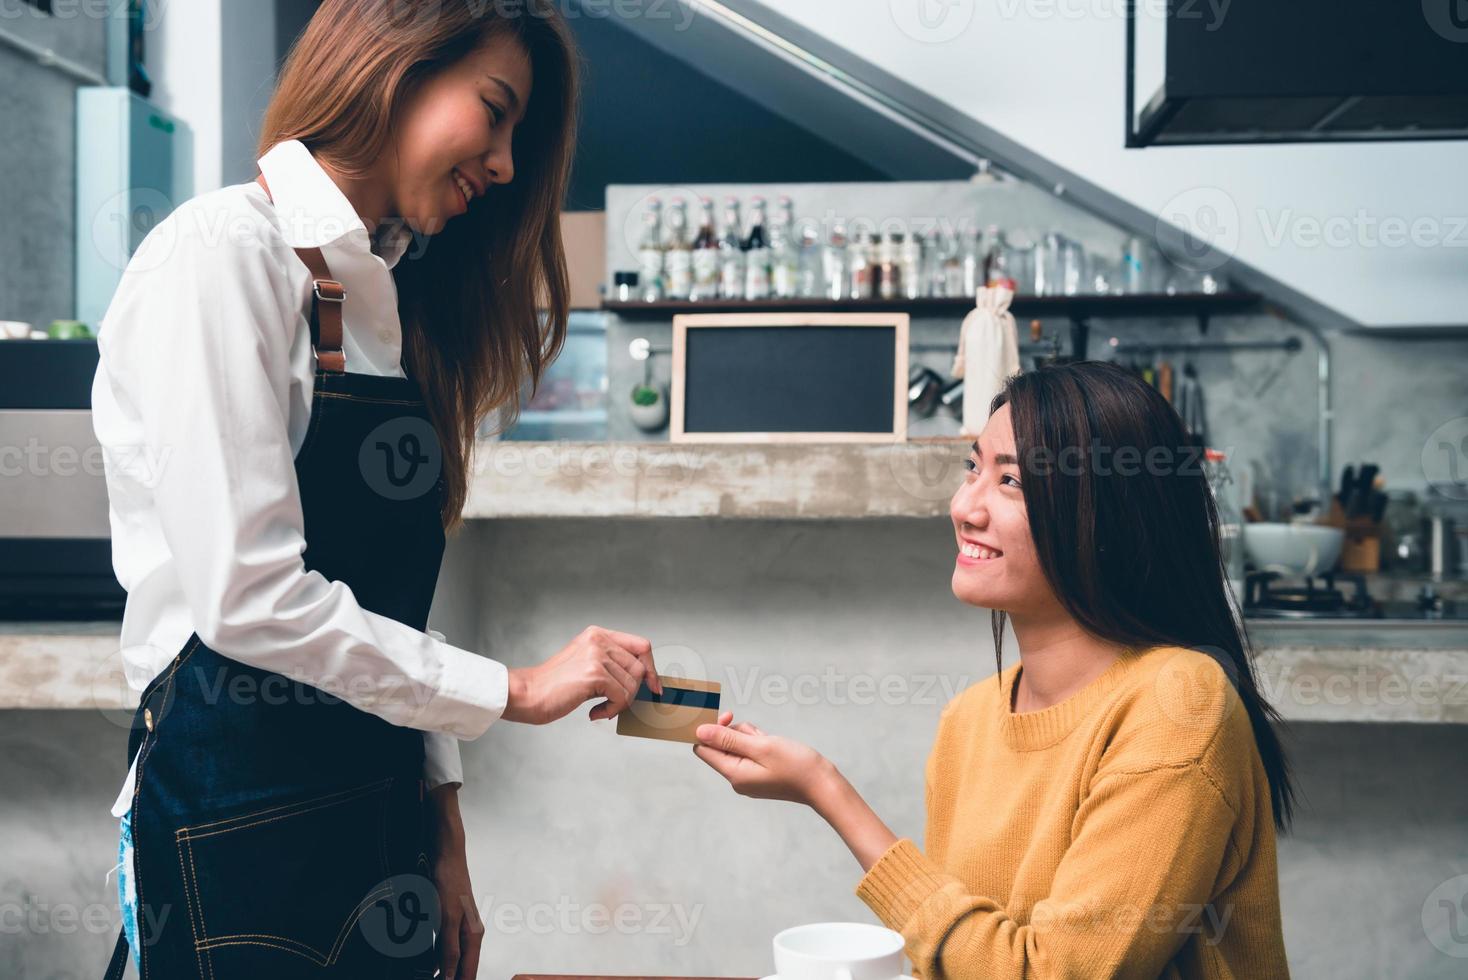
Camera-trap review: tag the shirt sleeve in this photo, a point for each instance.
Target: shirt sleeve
(198, 339)
(1108, 914)
(441, 761)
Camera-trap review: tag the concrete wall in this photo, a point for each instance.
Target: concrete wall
(571, 826)
(38, 189)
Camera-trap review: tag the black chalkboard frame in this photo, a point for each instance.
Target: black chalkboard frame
(898, 323)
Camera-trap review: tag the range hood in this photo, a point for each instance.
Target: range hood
(1260, 71)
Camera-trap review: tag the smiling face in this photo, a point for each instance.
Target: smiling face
(996, 566)
(454, 131)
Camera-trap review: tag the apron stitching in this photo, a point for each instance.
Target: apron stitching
(317, 410)
(166, 676)
(296, 945)
(369, 398)
(149, 741)
(283, 811)
(191, 895)
(314, 956)
(357, 913)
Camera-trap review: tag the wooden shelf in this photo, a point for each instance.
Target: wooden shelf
(1071, 307)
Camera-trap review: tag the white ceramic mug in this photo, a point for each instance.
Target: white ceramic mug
(838, 951)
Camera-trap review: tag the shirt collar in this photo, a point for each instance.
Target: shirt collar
(313, 210)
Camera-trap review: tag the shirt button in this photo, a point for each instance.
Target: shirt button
(148, 718)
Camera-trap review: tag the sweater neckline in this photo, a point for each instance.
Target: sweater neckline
(1044, 727)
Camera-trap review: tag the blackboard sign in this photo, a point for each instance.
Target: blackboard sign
(796, 377)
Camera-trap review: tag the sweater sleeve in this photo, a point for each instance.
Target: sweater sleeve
(1148, 853)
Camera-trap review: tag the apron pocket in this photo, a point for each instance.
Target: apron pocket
(293, 877)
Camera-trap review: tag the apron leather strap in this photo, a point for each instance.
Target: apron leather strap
(329, 296)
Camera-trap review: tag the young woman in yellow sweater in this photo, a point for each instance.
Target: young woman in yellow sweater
(1106, 807)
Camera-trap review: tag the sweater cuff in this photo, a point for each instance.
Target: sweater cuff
(899, 883)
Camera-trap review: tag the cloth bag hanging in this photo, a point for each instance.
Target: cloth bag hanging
(988, 354)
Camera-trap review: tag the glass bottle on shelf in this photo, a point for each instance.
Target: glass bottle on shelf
(705, 284)
(757, 254)
(784, 252)
(973, 270)
(999, 263)
(650, 252)
(731, 252)
(677, 253)
(835, 280)
(809, 276)
(1230, 520)
(859, 266)
(910, 258)
(889, 267)
(947, 268)
(1133, 267)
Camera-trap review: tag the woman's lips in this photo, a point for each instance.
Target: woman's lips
(458, 192)
(971, 554)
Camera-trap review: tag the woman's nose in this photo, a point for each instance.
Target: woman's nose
(968, 507)
(500, 167)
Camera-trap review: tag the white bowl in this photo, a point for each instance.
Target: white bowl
(1294, 550)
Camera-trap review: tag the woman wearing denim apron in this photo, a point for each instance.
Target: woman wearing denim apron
(286, 399)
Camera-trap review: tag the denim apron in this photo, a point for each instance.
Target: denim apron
(279, 832)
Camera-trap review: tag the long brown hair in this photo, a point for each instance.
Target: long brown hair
(1131, 550)
(472, 333)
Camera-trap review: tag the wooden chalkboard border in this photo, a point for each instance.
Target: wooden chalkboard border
(683, 322)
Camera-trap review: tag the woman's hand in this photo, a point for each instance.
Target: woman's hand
(768, 767)
(460, 930)
(599, 663)
(764, 767)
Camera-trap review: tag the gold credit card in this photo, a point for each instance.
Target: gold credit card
(673, 715)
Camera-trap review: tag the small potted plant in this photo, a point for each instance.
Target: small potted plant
(649, 408)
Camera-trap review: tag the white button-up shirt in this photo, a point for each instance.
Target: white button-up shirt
(201, 401)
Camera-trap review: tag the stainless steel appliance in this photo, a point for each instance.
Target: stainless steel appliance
(1269, 596)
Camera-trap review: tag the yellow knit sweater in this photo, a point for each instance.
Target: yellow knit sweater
(1124, 832)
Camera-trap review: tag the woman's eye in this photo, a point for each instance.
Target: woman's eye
(495, 111)
(972, 465)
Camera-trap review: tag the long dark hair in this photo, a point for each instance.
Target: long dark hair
(1130, 545)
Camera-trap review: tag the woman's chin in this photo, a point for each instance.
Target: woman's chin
(965, 590)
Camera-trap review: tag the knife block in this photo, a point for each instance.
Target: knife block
(1361, 549)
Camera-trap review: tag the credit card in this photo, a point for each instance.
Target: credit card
(673, 715)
